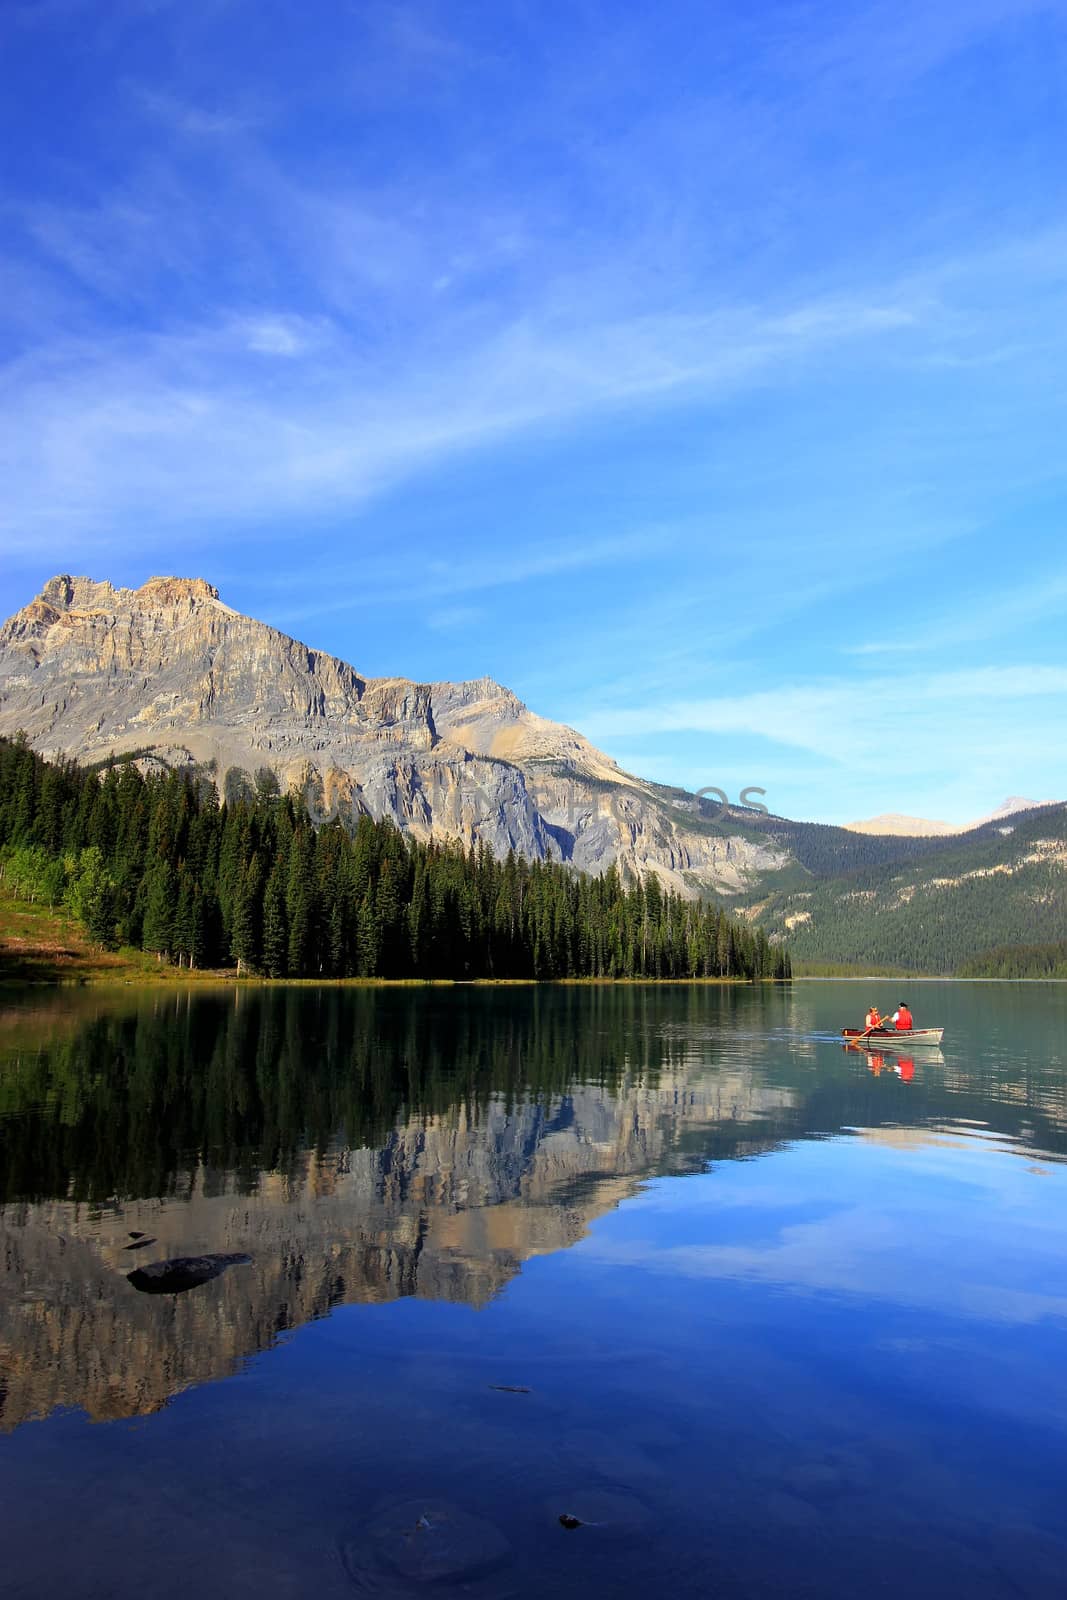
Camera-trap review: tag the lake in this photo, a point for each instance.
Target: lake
(764, 1316)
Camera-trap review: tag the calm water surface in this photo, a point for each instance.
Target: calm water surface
(767, 1316)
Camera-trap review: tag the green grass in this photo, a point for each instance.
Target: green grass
(38, 945)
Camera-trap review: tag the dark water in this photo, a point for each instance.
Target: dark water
(766, 1316)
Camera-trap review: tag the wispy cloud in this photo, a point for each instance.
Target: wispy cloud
(449, 618)
(835, 718)
(961, 735)
(458, 316)
(289, 336)
(385, 581)
(173, 423)
(186, 118)
(976, 618)
(883, 46)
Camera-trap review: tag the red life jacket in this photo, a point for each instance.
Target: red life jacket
(904, 1018)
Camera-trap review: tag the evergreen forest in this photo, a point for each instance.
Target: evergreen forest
(1019, 961)
(968, 907)
(158, 862)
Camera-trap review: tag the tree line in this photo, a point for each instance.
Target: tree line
(158, 862)
(1019, 961)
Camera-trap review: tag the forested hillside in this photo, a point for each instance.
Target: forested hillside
(1019, 961)
(159, 863)
(827, 851)
(1003, 885)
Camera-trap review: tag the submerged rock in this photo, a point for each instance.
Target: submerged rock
(616, 1510)
(182, 1272)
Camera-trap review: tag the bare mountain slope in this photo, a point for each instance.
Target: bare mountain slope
(172, 673)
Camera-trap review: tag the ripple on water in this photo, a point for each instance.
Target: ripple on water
(613, 1511)
(406, 1546)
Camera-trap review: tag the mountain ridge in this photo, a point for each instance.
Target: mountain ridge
(939, 905)
(171, 673)
(895, 823)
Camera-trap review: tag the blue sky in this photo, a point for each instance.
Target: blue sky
(698, 371)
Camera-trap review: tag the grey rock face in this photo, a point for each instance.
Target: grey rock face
(172, 673)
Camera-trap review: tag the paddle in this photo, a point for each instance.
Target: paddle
(854, 1038)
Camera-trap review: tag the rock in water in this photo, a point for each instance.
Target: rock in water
(182, 1272)
(615, 1511)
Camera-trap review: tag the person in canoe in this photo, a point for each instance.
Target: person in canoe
(902, 1018)
(872, 1019)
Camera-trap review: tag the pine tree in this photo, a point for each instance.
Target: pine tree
(247, 916)
(160, 906)
(300, 904)
(275, 926)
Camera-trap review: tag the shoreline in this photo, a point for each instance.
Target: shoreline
(46, 949)
(217, 978)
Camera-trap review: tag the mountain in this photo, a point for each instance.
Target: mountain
(170, 673)
(891, 822)
(938, 909)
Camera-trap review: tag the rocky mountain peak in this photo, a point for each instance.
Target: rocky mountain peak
(67, 593)
(172, 591)
(170, 673)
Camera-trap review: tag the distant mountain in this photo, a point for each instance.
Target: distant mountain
(943, 906)
(891, 822)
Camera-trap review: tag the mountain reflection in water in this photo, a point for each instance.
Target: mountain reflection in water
(360, 1146)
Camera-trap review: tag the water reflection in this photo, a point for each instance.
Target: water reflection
(903, 1066)
(185, 1177)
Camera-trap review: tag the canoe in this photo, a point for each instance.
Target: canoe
(891, 1036)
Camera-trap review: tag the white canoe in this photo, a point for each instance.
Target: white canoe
(892, 1036)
